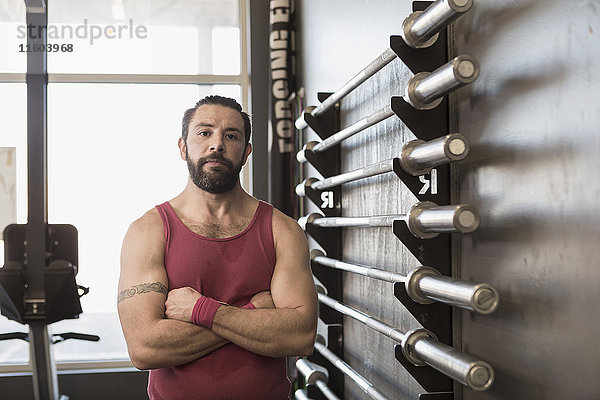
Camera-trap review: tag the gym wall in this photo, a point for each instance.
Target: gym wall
(532, 120)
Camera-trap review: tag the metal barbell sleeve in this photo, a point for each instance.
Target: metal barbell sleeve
(425, 90)
(425, 285)
(426, 219)
(347, 370)
(311, 372)
(419, 157)
(384, 59)
(420, 29)
(421, 347)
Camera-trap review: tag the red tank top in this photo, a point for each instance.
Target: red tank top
(230, 270)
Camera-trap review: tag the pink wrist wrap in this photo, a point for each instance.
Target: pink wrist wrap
(204, 311)
(249, 306)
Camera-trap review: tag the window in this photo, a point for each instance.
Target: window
(146, 36)
(114, 117)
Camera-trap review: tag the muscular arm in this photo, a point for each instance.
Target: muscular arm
(287, 330)
(152, 340)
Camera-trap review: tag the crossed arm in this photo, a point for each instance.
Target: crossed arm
(283, 323)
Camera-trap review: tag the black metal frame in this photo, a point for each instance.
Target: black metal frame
(37, 281)
(45, 381)
(436, 252)
(327, 162)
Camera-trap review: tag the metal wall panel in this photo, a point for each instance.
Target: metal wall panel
(533, 122)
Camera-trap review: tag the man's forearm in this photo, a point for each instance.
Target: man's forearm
(269, 332)
(169, 343)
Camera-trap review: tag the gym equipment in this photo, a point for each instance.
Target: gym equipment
(316, 375)
(421, 347)
(420, 29)
(425, 220)
(417, 158)
(426, 285)
(424, 91)
(37, 281)
(347, 370)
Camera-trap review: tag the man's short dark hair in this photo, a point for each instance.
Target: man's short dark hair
(220, 101)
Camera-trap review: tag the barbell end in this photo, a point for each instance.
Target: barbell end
(464, 218)
(485, 299)
(301, 155)
(456, 8)
(480, 376)
(301, 121)
(308, 219)
(457, 147)
(301, 187)
(460, 6)
(312, 372)
(467, 218)
(466, 68)
(316, 253)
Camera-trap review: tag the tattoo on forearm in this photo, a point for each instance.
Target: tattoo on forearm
(142, 288)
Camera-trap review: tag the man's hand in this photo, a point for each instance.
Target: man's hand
(262, 300)
(180, 303)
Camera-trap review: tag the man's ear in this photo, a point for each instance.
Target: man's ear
(248, 151)
(182, 148)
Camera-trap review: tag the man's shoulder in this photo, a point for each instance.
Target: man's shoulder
(148, 224)
(283, 224)
(289, 239)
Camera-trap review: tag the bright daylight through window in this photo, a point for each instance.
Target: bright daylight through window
(115, 102)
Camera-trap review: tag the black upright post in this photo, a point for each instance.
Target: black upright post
(45, 383)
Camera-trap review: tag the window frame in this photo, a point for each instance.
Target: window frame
(242, 79)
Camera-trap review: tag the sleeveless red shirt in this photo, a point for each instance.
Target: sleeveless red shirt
(230, 270)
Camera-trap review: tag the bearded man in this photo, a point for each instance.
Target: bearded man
(215, 287)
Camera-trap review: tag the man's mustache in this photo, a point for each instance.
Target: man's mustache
(217, 157)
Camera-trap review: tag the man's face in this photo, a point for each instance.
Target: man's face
(215, 149)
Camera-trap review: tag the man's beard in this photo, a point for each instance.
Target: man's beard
(215, 182)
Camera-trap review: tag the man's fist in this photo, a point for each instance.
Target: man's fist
(180, 303)
(262, 300)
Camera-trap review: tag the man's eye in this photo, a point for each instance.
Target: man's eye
(203, 133)
(232, 137)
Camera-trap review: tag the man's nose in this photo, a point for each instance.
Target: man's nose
(216, 143)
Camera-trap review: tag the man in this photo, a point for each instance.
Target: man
(215, 287)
